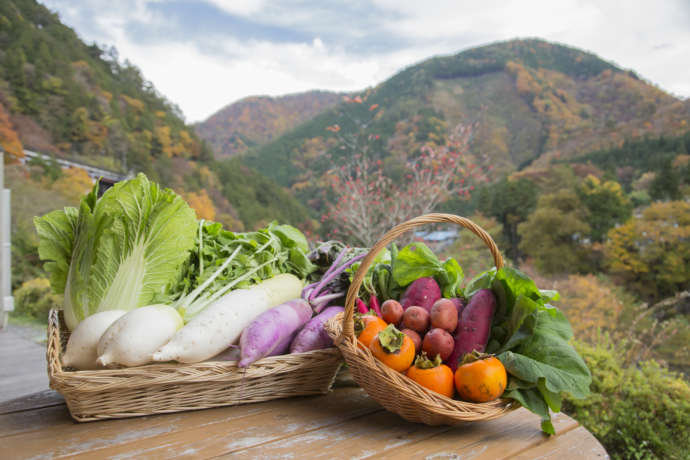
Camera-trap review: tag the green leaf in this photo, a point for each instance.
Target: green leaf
(300, 264)
(521, 323)
(548, 355)
(547, 427)
(509, 284)
(531, 399)
(382, 281)
(553, 400)
(56, 233)
(549, 295)
(415, 261)
(449, 278)
(290, 237)
(482, 281)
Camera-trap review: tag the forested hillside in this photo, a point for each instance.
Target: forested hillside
(531, 102)
(257, 120)
(64, 98)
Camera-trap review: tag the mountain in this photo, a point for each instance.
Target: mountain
(531, 102)
(257, 120)
(62, 97)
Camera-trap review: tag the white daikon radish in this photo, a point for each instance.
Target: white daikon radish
(82, 344)
(132, 339)
(220, 324)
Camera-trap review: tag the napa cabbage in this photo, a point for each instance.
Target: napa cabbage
(118, 252)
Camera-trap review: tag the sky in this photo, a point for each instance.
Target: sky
(205, 54)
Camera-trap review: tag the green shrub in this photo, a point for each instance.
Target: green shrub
(639, 412)
(34, 299)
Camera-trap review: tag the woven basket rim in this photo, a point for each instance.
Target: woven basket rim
(433, 408)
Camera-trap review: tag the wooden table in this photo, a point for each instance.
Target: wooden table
(343, 424)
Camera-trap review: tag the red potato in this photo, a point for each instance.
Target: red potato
(474, 326)
(392, 311)
(438, 342)
(423, 292)
(416, 339)
(416, 318)
(444, 315)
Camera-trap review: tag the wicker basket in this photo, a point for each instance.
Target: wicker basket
(393, 390)
(171, 387)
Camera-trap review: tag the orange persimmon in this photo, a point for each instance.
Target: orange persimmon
(393, 348)
(367, 327)
(432, 375)
(482, 380)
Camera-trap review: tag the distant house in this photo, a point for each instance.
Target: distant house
(437, 239)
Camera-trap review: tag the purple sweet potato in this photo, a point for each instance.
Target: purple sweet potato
(459, 304)
(313, 336)
(271, 332)
(423, 292)
(474, 326)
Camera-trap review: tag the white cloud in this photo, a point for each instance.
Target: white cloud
(239, 7)
(203, 73)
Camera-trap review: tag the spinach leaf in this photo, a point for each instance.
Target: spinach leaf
(532, 338)
(532, 400)
(416, 261)
(449, 278)
(482, 281)
(547, 355)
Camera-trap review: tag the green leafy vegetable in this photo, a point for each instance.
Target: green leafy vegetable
(291, 237)
(119, 252)
(531, 339)
(416, 261)
(56, 232)
(223, 260)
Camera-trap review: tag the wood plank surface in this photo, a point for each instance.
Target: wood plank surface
(44, 398)
(343, 424)
(493, 439)
(577, 443)
(22, 365)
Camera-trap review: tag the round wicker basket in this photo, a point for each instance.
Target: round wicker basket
(395, 391)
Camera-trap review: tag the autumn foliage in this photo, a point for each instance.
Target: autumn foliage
(9, 140)
(652, 254)
(368, 202)
(73, 184)
(202, 204)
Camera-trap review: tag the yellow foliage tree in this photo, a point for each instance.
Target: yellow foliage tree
(163, 141)
(202, 204)
(8, 137)
(591, 306)
(74, 183)
(652, 254)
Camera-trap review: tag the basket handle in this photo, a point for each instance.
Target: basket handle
(348, 323)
